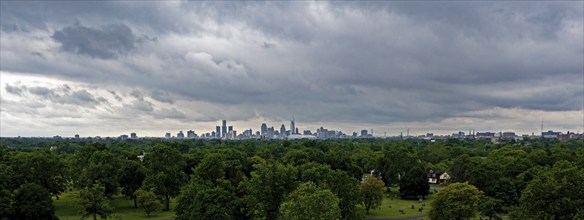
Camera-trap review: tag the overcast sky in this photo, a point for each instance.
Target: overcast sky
(109, 68)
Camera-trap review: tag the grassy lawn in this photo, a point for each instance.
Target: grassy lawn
(392, 204)
(67, 209)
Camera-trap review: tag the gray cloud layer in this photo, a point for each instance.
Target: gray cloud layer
(106, 43)
(347, 62)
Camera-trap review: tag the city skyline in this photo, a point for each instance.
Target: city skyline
(272, 132)
(439, 67)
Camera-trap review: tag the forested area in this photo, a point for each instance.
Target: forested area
(303, 179)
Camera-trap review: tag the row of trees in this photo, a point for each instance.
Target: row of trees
(288, 180)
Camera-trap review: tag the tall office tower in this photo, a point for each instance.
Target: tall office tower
(297, 131)
(191, 134)
(217, 132)
(363, 133)
(224, 129)
(167, 135)
(213, 134)
(292, 127)
(180, 135)
(230, 128)
(264, 129)
(283, 130)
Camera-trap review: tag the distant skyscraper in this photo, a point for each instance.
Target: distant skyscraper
(217, 132)
(191, 134)
(167, 135)
(292, 127)
(133, 136)
(230, 129)
(364, 133)
(224, 129)
(283, 130)
(264, 129)
(180, 135)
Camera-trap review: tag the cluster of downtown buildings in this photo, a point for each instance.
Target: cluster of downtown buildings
(226, 132)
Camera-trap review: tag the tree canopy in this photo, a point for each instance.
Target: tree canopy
(456, 201)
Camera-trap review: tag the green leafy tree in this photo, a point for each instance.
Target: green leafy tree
(94, 202)
(555, 193)
(365, 158)
(131, 177)
(269, 183)
(310, 202)
(6, 187)
(211, 168)
(165, 165)
(344, 186)
(102, 167)
(461, 168)
(456, 201)
(32, 201)
(204, 200)
(490, 207)
(6, 204)
(414, 183)
(394, 164)
(40, 167)
(341, 160)
(147, 201)
(435, 152)
(372, 190)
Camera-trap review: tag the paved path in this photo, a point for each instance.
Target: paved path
(404, 218)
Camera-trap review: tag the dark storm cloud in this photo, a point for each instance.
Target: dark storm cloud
(170, 113)
(140, 105)
(61, 95)
(375, 62)
(15, 89)
(106, 42)
(116, 96)
(41, 91)
(161, 96)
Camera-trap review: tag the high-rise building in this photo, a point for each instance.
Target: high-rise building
(167, 135)
(191, 134)
(230, 129)
(224, 129)
(264, 129)
(180, 135)
(271, 132)
(217, 133)
(283, 130)
(133, 136)
(292, 127)
(364, 133)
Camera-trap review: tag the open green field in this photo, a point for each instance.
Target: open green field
(67, 209)
(392, 204)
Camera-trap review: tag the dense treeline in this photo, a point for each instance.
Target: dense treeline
(304, 179)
